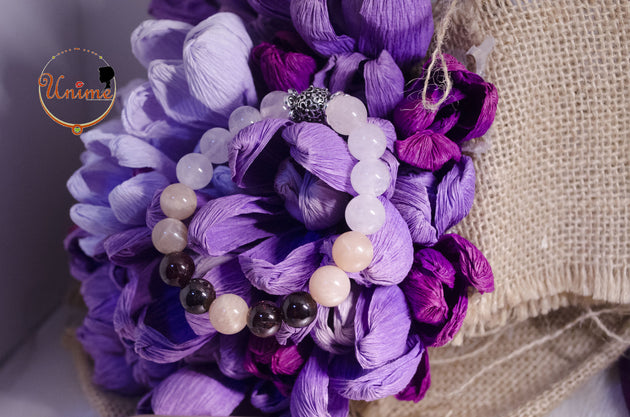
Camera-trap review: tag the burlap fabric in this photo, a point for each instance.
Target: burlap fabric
(551, 213)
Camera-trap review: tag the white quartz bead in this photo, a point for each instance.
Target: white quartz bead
(194, 170)
(329, 286)
(352, 251)
(178, 201)
(274, 105)
(345, 113)
(365, 214)
(242, 117)
(367, 142)
(169, 235)
(228, 314)
(370, 176)
(214, 144)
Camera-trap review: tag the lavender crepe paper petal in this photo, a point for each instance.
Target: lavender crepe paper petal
(190, 11)
(388, 129)
(343, 73)
(337, 338)
(469, 262)
(231, 355)
(222, 181)
(309, 397)
(199, 391)
(216, 54)
(227, 223)
(93, 182)
(282, 70)
(158, 39)
(424, 287)
(93, 245)
(266, 397)
(338, 406)
(392, 163)
(312, 22)
(404, 28)
(96, 220)
(132, 152)
(322, 152)
(129, 247)
(81, 265)
(350, 381)
(287, 185)
(320, 205)
(427, 150)
(384, 84)
(381, 326)
(170, 86)
(455, 195)
(147, 373)
(414, 198)
(130, 199)
(97, 139)
(419, 384)
(278, 9)
(226, 278)
(270, 268)
(294, 335)
(256, 149)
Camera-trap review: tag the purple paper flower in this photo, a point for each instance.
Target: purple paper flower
(433, 137)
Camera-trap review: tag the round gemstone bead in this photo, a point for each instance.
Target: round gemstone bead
(170, 235)
(214, 144)
(228, 314)
(367, 142)
(365, 214)
(197, 296)
(329, 286)
(352, 251)
(176, 269)
(274, 105)
(178, 201)
(299, 309)
(242, 117)
(345, 113)
(370, 176)
(194, 170)
(264, 319)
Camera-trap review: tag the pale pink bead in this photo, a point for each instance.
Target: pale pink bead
(228, 314)
(329, 286)
(170, 235)
(352, 251)
(178, 201)
(345, 113)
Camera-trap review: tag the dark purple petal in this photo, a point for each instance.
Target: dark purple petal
(410, 116)
(419, 384)
(231, 355)
(384, 84)
(381, 326)
(468, 261)
(455, 195)
(81, 265)
(288, 360)
(439, 335)
(309, 397)
(197, 392)
(311, 20)
(158, 39)
(149, 374)
(282, 70)
(278, 9)
(266, 397)
(414, 197)
(427, 150)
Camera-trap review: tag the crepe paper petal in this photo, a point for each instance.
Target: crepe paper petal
(131, 246)
(270, 268)
(311, 20)
(435, 336)
(135, 153)
(222, 181)
(100, 295)
(320, 205)
(287, 185)
(381, 326)
(147, 373)
(93, 182)
(322, 152)
(384, 84)
(228, 223)
(192, 391)
(97, 139)
(93, 245)
(288, 360)
(130, 199)
(216, 55)
(277, 9)
(349, 381)
(343, 72)
(334, 327)
(158, 39)
(455, 195)
(411, 117)
(81, 265)
(469, 262)
(254, 153)
(427, 150)
(190, 11)
(388, 129)
(231, 355)
(419, 384)
(295, 335)
(97, 220)
(413, 197)
(266, 397)
(309, 397)
(282, 70)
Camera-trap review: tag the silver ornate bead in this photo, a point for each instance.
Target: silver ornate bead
(308, 106)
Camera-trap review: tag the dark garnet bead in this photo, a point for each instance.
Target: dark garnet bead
(264, 319)
(197, 296)
(176, 269)
(299, 309)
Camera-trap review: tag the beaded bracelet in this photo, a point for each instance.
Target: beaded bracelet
(351, 252)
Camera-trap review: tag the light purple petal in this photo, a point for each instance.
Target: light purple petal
(381, 326)
(455, 195)
(97, 220)
(309, 397)
(340, 73)
(97, 139)
(129, 200)
(338, 339)
(158, 39)
(135, 153)
(93, 182)
(320, 205)
(231, 355)
(384, 85)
